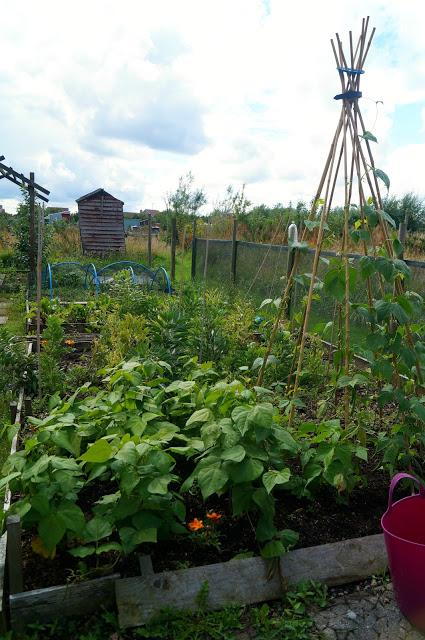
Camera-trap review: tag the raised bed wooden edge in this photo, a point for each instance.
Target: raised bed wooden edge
(248, 580)
(6, 506)
(46, 605)
(237, 582)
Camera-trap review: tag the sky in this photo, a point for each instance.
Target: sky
(131, 95)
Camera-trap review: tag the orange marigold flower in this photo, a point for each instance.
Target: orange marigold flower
(212, 515)
(70, 342)
(195, 524)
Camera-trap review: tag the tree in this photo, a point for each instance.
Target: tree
(410, 205)
(234, 203)
(185, 200)
(182, 206)
(22, 245)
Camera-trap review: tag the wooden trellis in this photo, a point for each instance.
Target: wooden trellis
(350, 157)
(35, 191)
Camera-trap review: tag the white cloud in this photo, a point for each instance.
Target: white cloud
(131, 95)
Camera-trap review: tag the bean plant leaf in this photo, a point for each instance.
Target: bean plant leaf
(382, 176)
(272, 478)
(398, 247)
(51, 529)
(234, 454)
(314, 224)
(369, 136)
(258, 362)
(145, 535)
(211, 480)
(246, 471)
(97, 528)
(72, 516)
(82, 552)
(100, 451)
(202, 415)
(388, 218)
(160, 484)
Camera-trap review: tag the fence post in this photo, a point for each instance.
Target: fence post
(292, 237)
(173, 248)
(14, 554)
(28, 406)
(402, 232)
(13, 407)
(149, 240)
(234, 251)
(193, 270)
(32, 238)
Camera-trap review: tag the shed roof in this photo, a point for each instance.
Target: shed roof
(98, 192)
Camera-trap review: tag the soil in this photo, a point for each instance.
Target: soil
(318, 521)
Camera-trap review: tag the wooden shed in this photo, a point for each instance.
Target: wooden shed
(101, 221)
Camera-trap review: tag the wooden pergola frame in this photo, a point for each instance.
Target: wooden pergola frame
(35, 191)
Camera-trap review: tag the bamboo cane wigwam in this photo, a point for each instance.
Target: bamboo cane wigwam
(350, 158)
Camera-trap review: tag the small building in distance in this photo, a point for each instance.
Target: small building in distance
(65, 214)
(149, 212)
(101, 222)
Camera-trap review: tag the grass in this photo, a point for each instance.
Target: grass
(15, 312)
(288, 619)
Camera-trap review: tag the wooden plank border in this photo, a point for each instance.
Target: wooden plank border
(47, 605)
(6, 507)
(249, 580)
(237, 582)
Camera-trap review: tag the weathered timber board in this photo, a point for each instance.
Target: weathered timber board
(3, 600)
(44, 605)
(249, 580)
(337, 562)
(237, 582)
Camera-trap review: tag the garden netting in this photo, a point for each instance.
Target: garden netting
(261, 270)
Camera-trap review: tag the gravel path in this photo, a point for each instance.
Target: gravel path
(365, 615)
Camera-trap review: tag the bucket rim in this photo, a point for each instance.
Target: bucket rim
(393, 535)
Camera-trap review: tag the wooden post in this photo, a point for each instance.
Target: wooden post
(14, 554)
(234, 251)
(146, 567)
(292, 237)
(149, 240)
(28, 406)
(13, 407)
(402, 232)
(32, 243)
(207, 247)
(173, 247)
(193, 270)
(39, 276)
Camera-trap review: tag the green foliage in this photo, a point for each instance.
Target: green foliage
(16, 368)
(22, 233)
(52, 352)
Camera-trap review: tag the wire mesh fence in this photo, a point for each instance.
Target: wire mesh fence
(261, 270)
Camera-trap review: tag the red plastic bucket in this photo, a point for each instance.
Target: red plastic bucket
(404, 532)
